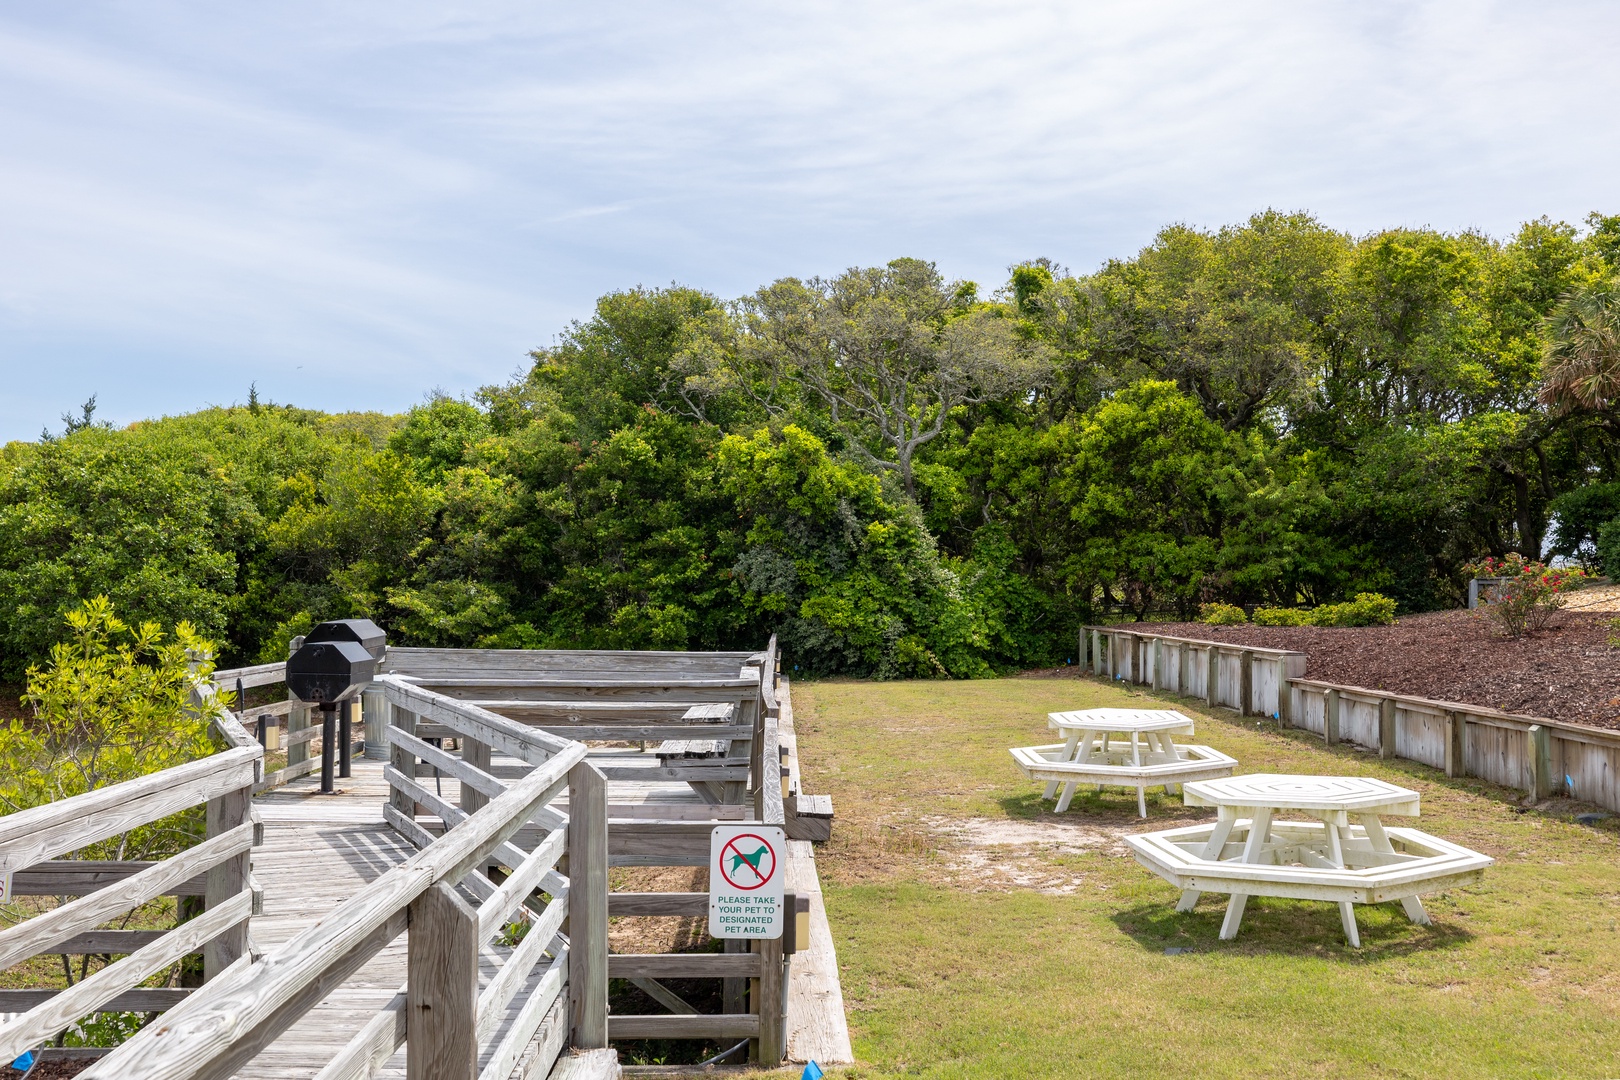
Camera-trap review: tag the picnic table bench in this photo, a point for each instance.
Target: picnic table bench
(1089, 753)
(1249, 852)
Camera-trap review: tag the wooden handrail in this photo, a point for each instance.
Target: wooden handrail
(44, 832)
(30, 837)
(250, 677)
(254, 1004)
(216, 1031)
(521, 741)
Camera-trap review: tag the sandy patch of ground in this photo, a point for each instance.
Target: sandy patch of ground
(982, 854)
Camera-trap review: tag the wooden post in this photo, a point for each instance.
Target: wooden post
(226, 880)
(734, 991)
(1096, 653)
(297, 718)
(1330, 717)
(587, 907)
(442, 989)
(1157, 679)
(1245, 683)
(770, 1004)
(1386, 728)
(374, 719)
(752, 713)
(477, 755)
(1212, 684)
(1285, 694)
(404, 761)
(1456, 744)
(1538, 753)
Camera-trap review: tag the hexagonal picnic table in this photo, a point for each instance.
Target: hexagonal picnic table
(1087, 754)
(1246, 852)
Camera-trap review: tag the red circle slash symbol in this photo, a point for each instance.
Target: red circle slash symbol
(747, 862)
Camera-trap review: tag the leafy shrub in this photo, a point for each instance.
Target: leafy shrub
(1281, 616)
(1608, 548)
(1528, 595)
(113, 703)
(1221, 614)
(1367, 609)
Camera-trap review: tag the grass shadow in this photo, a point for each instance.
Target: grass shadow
(1112, 808)
(1277, 926)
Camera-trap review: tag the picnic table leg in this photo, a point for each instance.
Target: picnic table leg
(1069, 745)
(1065, 798)
(1141, 790)
(1347, 910)
(1212, 851)
(1380, 843)
(1167, 752)
(1082, 754)
(1259, 827)
(1103, 754)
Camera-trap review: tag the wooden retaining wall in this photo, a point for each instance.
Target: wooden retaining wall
(1542, 757)
(1237, 676)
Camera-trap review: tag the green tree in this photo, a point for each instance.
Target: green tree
(850, 581)
(889, 352)
(1151, 482)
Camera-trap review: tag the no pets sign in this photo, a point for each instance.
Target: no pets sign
(746, 868)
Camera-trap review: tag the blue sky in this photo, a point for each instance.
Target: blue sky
(353, 204)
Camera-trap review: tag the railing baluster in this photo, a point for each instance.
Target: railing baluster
(587, 906)
(442, 994)
(227, 812)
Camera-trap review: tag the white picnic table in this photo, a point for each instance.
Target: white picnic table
(1332, 800)
(1088, 735)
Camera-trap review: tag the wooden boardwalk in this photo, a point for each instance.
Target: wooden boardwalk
(317, 851)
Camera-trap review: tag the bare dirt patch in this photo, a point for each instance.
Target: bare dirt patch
(658, 933)
(1568, 672)
(982, 854)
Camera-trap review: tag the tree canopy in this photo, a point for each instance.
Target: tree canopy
(897, 473)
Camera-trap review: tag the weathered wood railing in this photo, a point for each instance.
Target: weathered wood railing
(216, 869)
(1539, 756)
(753, 973)
(620, 696)
(500, 866)
(442, 1017)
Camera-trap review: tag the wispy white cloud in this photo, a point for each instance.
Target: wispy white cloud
(399, 195)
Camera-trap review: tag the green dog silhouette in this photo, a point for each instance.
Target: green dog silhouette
(753, 861)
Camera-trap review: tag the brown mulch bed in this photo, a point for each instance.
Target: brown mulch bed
(1568, 672)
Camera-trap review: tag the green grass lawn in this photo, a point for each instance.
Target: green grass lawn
(961, 960)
